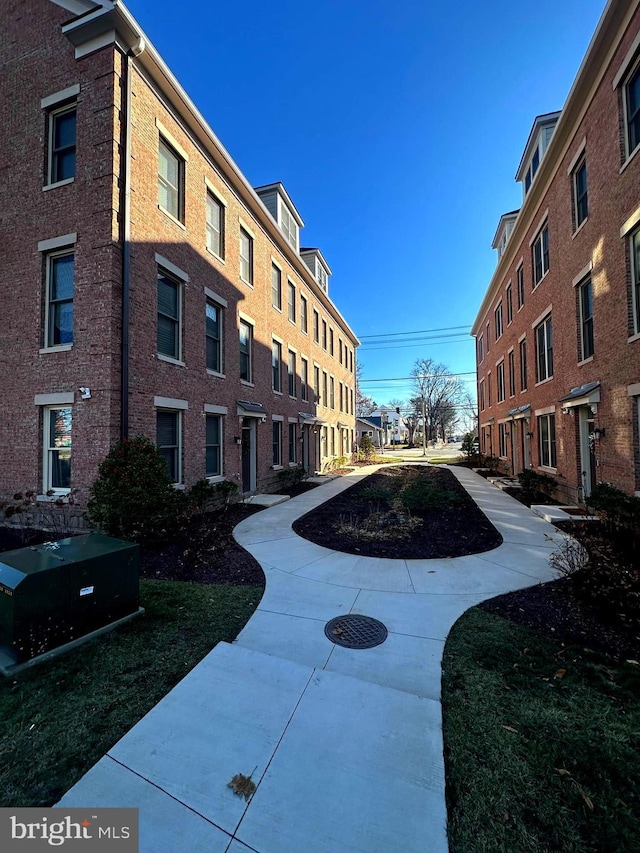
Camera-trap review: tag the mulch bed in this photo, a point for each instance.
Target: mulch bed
(453, 532)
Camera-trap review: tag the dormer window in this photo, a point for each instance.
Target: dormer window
(537, 144)
(276, 199)
(289, 226)
(321, 275)
(531, 171)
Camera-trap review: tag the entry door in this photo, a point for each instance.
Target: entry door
(525, 444)
(248, 455)
(513, 429)
(587, 451)
(305, 448)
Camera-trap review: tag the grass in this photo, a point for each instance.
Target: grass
(542, 743)
(60, 717)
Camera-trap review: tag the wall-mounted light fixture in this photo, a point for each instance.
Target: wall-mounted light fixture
(237, 439)
(598, 433)
(529, 435)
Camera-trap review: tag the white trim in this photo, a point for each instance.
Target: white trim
(170, 215)
(292, 349)
(581, 150)
(213, 296)
(216, 192)
(46, 451)
(634, 390)
(629, 159)
(584, 272)
(59, 348)
(173, 142)
(631, 223)
(246, 227)
(170, 360)
(58, 184)
(548, 410)
(61, 399)
(246, 318)
(634, 338)
(292, 421)
(541, 222)
(170, 403)
(171, 268)
(542, 316)
(216, 373)
(276, 263)
(499, 361)
(63, 95)
(62, 242)
(626, 63)
(277, 340)
(94, 44)
(215, 410)
(277, 417)
(580, 227)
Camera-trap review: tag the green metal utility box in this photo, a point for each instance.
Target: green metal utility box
(56, 593)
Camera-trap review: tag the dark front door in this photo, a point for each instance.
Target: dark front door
(246, 458)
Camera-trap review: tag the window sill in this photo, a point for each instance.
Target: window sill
(537, 284)
(294, 464)
(247, 383)
(172, 217)
(57, 184)
(215, 255)
(293, 322)
(275, 308)
(292, 397)
(217, 478)
(169, 360)
(548, 468)
(279, 393)
(180, 487)
(59, 495)
(276, 467)
(216, 374)
(634, 338)
(580, 227)
(585, 361)
(59, 348)
(543, 381)
(629, 159)
(244, 281)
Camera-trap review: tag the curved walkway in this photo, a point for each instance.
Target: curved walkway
(345, 746)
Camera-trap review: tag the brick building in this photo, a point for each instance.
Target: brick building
(146, 286)
(558, 331)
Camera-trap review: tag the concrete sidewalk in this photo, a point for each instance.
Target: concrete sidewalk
(344, 745)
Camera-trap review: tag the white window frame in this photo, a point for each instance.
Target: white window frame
(524, 365)
(178, 189)
(291, 301)
(586, 282)
(548, 362)
(214, 201)
(276, 366)
(52, 117)
(47, 467)
(520, 285)
(276, 287)
(547, 460)
(582, 163)
(539, 241)
(178, 450)
(161, 270)
(304, 314)
(502, 441)
(220, 310)
(51, 257)
(304, 379)
(292, 440)
(500, 387)
(634, 251)
(635, 69)
(291, 374)
(498, 321)
(215, 476)
(276, 444)
(249, 326)
(245, 260)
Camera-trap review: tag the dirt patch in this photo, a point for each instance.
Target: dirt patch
(453, 531)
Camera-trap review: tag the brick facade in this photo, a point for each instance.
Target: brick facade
(592, 125)
(94, 215)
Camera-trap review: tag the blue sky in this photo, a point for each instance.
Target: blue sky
(397, 129)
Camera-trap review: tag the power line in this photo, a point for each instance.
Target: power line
(430, 341)
(416, 332)
(425, 376)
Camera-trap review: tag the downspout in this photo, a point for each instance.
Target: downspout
(126, 242)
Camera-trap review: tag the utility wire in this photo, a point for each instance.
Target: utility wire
(416, 332)
(422, 376)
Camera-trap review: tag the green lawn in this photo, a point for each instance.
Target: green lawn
(542, 743)
(60, 717)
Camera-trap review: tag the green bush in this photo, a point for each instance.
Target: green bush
(290, 477)
(469, 446)
(533, 481)
(615, 507)
(421, 495)
(367, 448)
(381, 496)
(133, 496)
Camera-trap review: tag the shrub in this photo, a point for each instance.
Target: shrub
(469, 446)
(533, 481)
(59, 515)
(290, 477)
(379, 526)
(133, 496)
(367, 448)
(615, 507)
(422, 495)
(380, 496)
(492, 462)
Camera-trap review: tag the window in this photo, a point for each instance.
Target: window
(541, 256)
(215, 225)
(246, 257)
(502, 440)
(170, 181)
(304, 379)
(303, 314)
(340, 348)
(500, 381)
(632, 110)
(585, 307)
(289, 226)
(332, 392)
(488, 339)
(333, 441)
(276, 287)
(498, 320)
(351, 361)
(276, 359)
(325, 386)
(544, 350)
(277, 442)
(489, 389)
(482, 396)
(322, 277)
(214, 337)
(316, 383)
(291, 374)
(324, 335)
(57, 450)
(520, 278)
(292, 302)
(246, 341)
(634, 247)
(59, 304)
(168, 441)
(509, 304)
(316, 326)
(62, 144)
(480, 349)
(580, 200)
(341, 397)
(531, 171)
(330, 341)
(213, 443)
(523, 365)
(547, 440)
(292, 444)
(512, 374)
(169, 298)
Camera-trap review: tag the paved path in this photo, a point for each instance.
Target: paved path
(345, 746)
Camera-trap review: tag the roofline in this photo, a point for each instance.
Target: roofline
(538, 122)
(614, 20)
(132, 36)
(279, 187)
(513, 214)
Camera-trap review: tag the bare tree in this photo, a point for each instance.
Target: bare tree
(437, 390)
(364, 405)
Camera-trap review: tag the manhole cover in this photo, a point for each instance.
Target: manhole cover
(355, 632)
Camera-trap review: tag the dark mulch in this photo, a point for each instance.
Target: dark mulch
(297, 488)
(528, 497)
(205, 552)
(452, 532)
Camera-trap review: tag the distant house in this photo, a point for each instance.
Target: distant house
(367, 426)
(558, 330)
